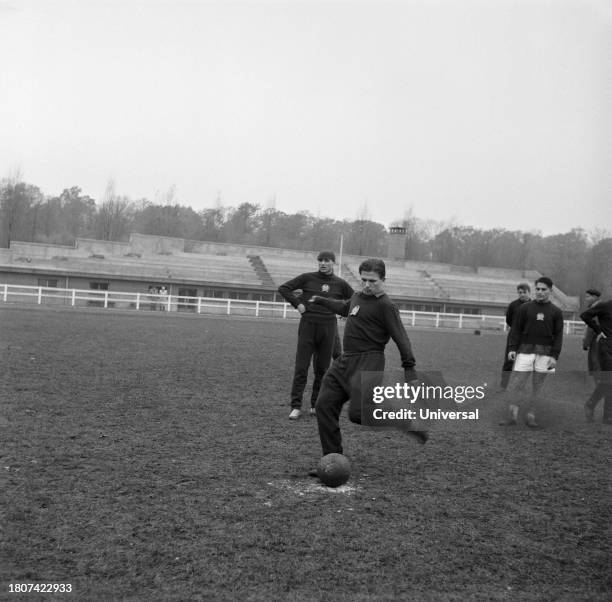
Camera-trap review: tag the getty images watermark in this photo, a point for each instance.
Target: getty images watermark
(387, 402)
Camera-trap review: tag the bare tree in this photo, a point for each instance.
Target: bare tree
(19, 204)
(113, 215)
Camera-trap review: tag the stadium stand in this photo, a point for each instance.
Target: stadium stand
(405, 281)
(253, 272)
(473, 287)
(282, 268)
(236, 271)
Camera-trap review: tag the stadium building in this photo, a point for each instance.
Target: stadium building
(188, 269)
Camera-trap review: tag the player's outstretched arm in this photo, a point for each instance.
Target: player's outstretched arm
(338, 306)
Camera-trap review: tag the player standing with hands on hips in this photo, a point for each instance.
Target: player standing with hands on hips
(590, 344)
(318, 329)
(599, 318)
(372, 319)
(535, 343)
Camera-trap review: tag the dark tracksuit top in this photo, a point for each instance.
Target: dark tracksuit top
(599, 318)
(511, 312)
(537, 328)
(589, 343)
(513, 309)
(370, 322)
(315, 283)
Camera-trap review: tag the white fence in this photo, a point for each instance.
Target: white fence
(41, 295)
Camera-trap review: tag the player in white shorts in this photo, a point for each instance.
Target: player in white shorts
(535, 343)
(534, 362)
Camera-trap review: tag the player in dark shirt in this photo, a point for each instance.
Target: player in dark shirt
(535, 343)
(590, 345)
(599, 318)
(318, 329)
(371, 320)
(523, 291)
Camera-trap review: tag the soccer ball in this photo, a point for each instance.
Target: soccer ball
(334, 470)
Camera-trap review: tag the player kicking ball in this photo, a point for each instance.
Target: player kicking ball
(371, 320)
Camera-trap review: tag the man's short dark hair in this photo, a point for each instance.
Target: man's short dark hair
(327, 255)
(374, 265)
(593, 292)
(523, 286)
(545, 280)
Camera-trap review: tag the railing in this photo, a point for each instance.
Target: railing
(41, 295)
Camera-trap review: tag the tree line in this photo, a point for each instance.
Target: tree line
(575, 260)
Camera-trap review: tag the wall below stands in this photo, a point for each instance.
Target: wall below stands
(223, 270)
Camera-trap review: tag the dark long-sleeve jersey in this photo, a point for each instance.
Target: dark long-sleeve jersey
(371, 322)
(329, 286)
(599, 317)
(537, 326)
(512, 309)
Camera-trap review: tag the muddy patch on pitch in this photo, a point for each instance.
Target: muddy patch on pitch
(302, 488)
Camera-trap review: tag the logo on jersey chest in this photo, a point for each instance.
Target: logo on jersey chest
(325, 288)
(354, 310)
(540, 317)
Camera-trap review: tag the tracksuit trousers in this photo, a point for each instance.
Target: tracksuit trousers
(506, 366)
(342, 383)
(316, 342)
(604, 385)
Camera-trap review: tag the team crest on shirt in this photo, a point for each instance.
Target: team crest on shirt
(540, 317)
(325, 288)
(354, 310)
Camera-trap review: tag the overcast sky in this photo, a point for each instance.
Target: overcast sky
(491, 113)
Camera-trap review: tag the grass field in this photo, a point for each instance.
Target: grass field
(149, 457)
